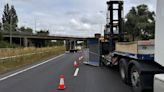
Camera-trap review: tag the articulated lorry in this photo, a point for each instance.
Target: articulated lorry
(141, 63)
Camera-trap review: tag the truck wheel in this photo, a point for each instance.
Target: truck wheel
(123, 64)
(135, 79)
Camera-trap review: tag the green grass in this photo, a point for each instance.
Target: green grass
(15, 63)
(4, 44)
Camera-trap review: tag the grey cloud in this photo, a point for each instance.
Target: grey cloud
(93, 19)
(142, 1)
(56, 15)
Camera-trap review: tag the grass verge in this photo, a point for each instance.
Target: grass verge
(10, 64)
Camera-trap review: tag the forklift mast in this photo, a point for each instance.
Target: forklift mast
(114, 28)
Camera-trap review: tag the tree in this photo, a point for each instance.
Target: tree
(6, 18)
(130, 24)
(27, 30)
(14, 18)
(22, 29)
(140, 22)
(9, 18)
(43, 32)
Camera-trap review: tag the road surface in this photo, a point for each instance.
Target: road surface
(45, 78)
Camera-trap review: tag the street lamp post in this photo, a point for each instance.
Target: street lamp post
(10, 25)
(10, 29)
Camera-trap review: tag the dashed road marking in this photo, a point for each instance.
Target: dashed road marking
(76, 72)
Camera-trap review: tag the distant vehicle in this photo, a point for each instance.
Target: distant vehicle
(138, 64)
(73, 50)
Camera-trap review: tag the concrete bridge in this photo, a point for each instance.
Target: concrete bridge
(38, 40)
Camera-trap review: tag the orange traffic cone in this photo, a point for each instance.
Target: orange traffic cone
(75, 64)
(61, 84)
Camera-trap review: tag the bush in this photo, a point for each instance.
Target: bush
(4, 44)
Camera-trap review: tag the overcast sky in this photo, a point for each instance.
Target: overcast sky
(66, 17)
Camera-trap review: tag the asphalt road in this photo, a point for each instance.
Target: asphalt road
(45, 78)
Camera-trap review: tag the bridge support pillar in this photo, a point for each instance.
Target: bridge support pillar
(75, 43)
(70, 45)
(67, 44)
(25, 42)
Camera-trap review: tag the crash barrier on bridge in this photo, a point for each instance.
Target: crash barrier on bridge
(94, 52)
(17, 33)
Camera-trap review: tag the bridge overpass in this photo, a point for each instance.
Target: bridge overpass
(29, 39)
(38, 36)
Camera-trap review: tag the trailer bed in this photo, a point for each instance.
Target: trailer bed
(134, 55)
(142, 50)
(138, 47)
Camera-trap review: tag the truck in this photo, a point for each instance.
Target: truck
(71, 45)
(140, 63)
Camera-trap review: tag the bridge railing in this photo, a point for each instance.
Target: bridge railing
(19, 33)
(16, 33)
(23, 33)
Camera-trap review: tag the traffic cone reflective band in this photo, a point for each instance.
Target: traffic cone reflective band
(75, 64)
(80, 58)
(61, 84)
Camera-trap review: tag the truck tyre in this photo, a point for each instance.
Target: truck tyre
(123, 64)
(136, 79)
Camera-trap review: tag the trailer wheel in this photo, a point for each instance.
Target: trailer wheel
(135, 79)
(123, 64)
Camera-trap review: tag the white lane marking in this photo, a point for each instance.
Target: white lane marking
(76, 72)
(6, 77)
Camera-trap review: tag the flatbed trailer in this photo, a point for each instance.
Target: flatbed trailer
(140, 63)
(136, 63)
(140, 50)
